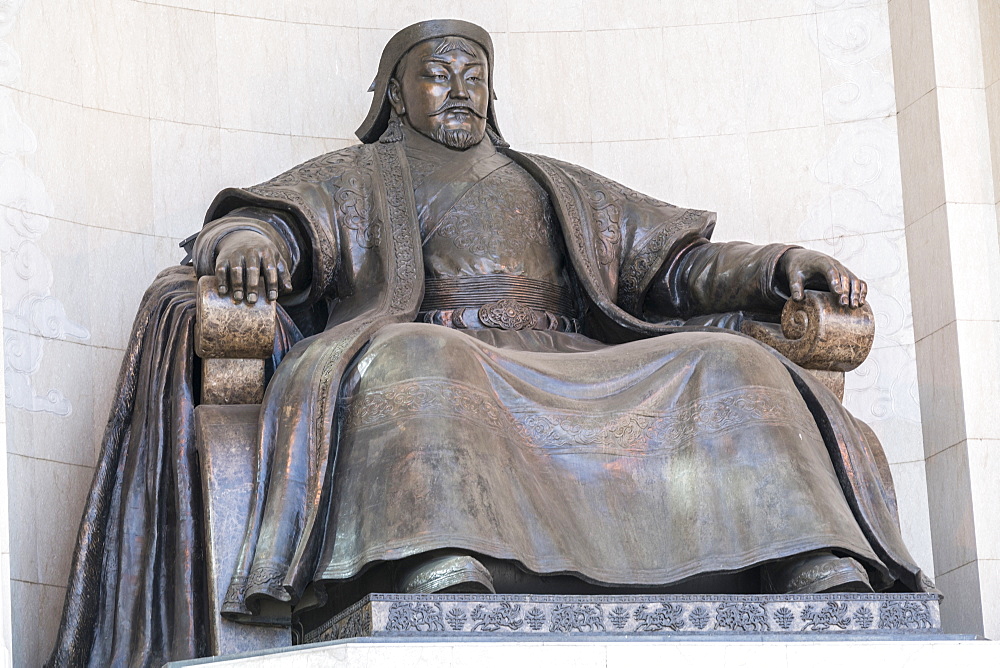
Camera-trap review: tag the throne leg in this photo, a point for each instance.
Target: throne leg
(225, 438)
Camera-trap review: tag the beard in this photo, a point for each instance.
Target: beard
(457, 139)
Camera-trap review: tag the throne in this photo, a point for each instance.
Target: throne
(234, 340)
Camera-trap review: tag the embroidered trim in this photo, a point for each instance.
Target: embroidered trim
(558, 432)
(639, 270)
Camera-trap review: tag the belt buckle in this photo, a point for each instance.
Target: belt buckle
(506, 314)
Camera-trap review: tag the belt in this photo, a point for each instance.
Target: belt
(454, 292)
(497, 301)
(508, 314)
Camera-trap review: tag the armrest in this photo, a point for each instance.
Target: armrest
(233, 341)
(818, 333)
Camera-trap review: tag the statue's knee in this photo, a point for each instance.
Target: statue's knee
(743, 356)
(416, 349)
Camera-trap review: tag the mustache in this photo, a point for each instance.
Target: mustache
(449, 106)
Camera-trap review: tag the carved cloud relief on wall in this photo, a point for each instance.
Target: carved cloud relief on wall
(32, 314)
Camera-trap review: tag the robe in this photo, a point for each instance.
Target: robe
(644, 453)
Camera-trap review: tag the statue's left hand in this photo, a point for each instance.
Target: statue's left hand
(811, 269)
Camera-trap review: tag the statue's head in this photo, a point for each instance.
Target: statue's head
(437, 77)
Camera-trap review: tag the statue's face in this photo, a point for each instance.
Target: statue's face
(441, 90)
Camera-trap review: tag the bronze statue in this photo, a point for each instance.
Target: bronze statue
(495, 372)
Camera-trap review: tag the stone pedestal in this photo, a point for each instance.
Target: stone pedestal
(561, 617)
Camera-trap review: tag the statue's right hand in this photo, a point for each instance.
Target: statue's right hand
(244, 260)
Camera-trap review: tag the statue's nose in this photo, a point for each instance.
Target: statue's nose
(459, 91)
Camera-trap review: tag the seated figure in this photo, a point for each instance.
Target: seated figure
(496, 372)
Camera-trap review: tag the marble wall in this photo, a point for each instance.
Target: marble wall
(946, 56)
(122, 118)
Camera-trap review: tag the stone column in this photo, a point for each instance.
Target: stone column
(951, 233)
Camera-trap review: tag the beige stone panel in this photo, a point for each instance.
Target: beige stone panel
(626, 98)
(750, 10)
(249, 158)
(305, 148)
(993, 117)
(941, 392)
(42, 541)
(25, 178)
(781, 74)
(327, 85)
(371, 41)
(856, 63)
(4, 533)
(979, 358)
(920, 157)
(697, 172)
(375, 15)
(507, 83)
(117, 182)
(682, 12)
(57, 266)
(128, 263)
(929, 252)
(113, 189)
(862, 171)
(544, 107)
(958, 52)
(989, 30)
(912, 50)
(324, 12)
(70, 369)
(883, 393)
(253, 74)
(962, 607)
(702, 73)
(187, 174)
(984, 471)
(965, 145)
(167, 253)
(952, 517)
(577, 153)
(54, 41)
(557, 15)
(5, 609)
(36, 610)
(118, 78)
(613, 14)
(183, 66)
(911, 495)
(989, 580)
(493, 16)
(974, 260)
(784, 189)
(261, 9)
(197, 5)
